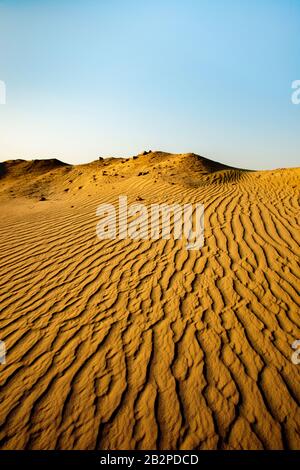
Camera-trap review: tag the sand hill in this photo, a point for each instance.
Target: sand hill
(121, 344)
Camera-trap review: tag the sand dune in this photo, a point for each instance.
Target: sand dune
(121, 344)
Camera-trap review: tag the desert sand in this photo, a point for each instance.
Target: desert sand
(122, 344)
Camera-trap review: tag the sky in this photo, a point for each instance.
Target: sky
(90, 78)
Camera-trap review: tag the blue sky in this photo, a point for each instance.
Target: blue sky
(89, 78)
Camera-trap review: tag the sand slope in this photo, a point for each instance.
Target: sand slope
(143, 344)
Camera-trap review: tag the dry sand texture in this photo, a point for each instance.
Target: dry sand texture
(142, 344)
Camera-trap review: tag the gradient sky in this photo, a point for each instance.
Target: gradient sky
(89, 78)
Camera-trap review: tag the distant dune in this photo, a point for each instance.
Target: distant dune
(121, 344)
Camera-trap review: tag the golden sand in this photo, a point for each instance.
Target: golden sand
(121, 344)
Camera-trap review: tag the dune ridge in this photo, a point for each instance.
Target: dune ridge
(121, 344)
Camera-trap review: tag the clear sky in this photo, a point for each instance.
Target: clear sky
(89, 78)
